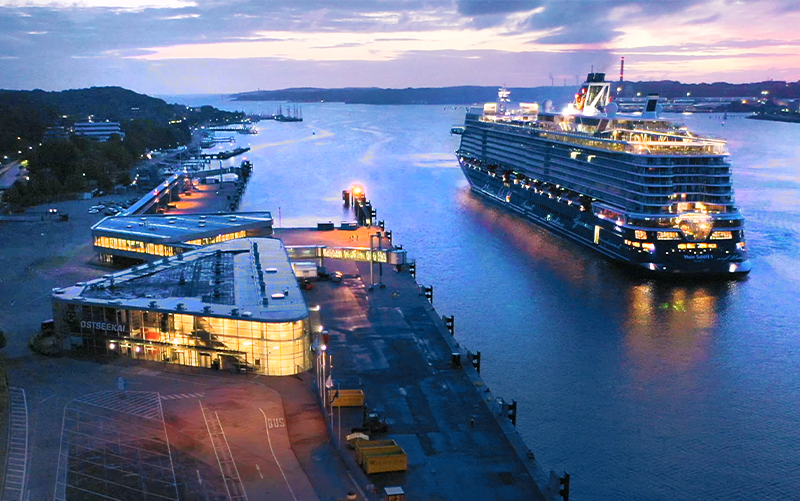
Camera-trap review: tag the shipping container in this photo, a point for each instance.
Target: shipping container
(348, 398)
(379, 462)
(365, 445)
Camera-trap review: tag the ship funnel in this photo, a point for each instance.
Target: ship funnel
(594, 96)
(651, 107)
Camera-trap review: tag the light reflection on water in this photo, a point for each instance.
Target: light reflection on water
(641, 389)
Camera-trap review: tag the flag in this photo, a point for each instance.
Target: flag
(329, 382)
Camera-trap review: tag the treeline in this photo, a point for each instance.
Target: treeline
(70, 164)
(443, 95)
(26, 115)
(465, 95)
(671, 89)
(78, 164)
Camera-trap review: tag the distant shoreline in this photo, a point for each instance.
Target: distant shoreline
(777, 117)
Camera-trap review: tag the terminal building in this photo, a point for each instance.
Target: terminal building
(134, 239)
(229, 305)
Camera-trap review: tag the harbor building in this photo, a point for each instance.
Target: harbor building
(232, 305)
(145, 237)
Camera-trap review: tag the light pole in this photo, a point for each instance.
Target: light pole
(371, 257)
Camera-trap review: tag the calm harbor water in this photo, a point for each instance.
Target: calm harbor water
(640, 389)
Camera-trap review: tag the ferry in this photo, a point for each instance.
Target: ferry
(637, 188)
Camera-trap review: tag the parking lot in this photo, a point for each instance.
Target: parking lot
(108, 431)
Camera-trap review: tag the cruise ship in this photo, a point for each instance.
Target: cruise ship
(637, 188)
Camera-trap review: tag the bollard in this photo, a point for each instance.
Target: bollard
(428, 293)
(564, 486)
(476, 361)
(512, 412)
(449, 322)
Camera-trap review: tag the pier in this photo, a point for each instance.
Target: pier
(241, 129)
(392, 344)
(222, 155)
(382, 338)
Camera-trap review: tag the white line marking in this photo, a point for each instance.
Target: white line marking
(266, 427)
(18, 447)
(259, 471)
(219, 422)
(166, 437)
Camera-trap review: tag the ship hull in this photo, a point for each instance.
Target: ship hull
(571, 220)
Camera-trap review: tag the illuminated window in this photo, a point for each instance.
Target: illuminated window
(721, 235)
(649, 246)
(641, 235)
(668, 235)
(681, 246)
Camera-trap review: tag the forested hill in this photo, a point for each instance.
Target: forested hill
(475, 94)
(374, 95)
(27, 114)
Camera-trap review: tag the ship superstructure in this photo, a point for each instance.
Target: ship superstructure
(638, 188)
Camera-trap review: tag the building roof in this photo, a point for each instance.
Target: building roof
(177, 228)
(230, 280)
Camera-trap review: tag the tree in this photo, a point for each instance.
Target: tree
(3, 341)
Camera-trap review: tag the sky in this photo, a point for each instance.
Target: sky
(219, 47)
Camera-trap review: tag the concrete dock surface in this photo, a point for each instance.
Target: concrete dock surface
(389, 341)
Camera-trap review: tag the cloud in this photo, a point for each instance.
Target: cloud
(493, 7)
(706, 20)
(129, 42)
(124, 5)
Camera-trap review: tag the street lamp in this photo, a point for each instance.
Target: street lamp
(372, 260)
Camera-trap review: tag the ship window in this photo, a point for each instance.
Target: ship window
(721, 235)
(641, 235)
(668, 235)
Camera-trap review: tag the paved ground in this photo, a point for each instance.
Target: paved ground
(389, 343)
(170, 435)
(96, 427)
(41, 253)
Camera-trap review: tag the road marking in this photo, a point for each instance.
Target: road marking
(267, 427)
(259, 471)
(182, 395)
(17, 460)
(227, 466)
(107, 438)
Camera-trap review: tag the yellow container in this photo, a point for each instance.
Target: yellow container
(348, 398)
(372, 445)
(383, 461)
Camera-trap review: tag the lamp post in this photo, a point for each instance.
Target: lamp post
(322, 386)
(371, 258)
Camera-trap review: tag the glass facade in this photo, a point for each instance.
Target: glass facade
(125, 244)
(269, 348)
(219, 238)
(162, 250)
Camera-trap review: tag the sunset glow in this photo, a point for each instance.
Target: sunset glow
(192, 46)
